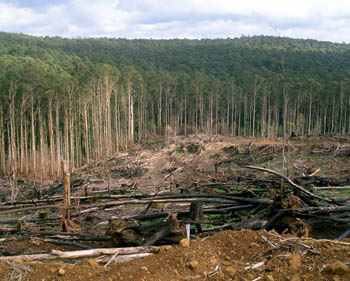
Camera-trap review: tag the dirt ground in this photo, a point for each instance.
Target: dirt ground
(185, 163)
(229, 255)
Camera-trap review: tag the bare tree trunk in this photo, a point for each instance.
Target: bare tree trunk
(42, 153)
(160, 106)
(58, 138)
(130, 112)
(33, 144)
(22, 138)
(254, 107)
(2, 143)
(310, 114)
(12, 143)
(86, 132)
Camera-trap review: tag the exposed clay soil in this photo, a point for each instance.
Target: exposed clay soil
(229, 255)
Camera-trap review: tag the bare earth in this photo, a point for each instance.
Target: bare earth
(228, 255)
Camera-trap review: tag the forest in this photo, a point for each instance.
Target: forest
(84, 99)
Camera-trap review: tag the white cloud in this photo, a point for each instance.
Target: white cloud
(318, 19)
(10, 15)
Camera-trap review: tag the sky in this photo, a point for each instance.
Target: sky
(327, 20)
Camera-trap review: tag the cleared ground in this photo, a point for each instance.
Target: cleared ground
(211, 165)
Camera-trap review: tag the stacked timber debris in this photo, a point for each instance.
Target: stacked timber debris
(94, 214)
(138, 219)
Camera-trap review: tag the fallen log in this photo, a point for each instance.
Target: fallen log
(17, 210)
(130, 257)
(250, 224)
(142, 199)
(228, 209)
(80, 198)
(8, 229)
(316, 240)
(296, 186)
(55, 254)
(65, 235)
(64, 242)
(227, 196)
(321, 213)
(103, 251)
(207, 210)
(332, 188)
(208, 199)
(319, 210)
(344, 235)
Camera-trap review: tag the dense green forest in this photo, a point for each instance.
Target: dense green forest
(84, 99)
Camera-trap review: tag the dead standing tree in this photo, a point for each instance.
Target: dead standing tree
(66, 218)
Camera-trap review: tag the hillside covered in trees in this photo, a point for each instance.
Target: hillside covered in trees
(84, 99)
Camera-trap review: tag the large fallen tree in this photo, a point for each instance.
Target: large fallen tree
(123, 253)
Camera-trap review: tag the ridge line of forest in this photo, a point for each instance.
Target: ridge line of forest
(84, 99)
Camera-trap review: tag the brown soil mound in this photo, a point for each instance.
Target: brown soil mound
(229, 255)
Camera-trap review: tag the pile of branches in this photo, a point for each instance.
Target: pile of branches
(139, 219)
